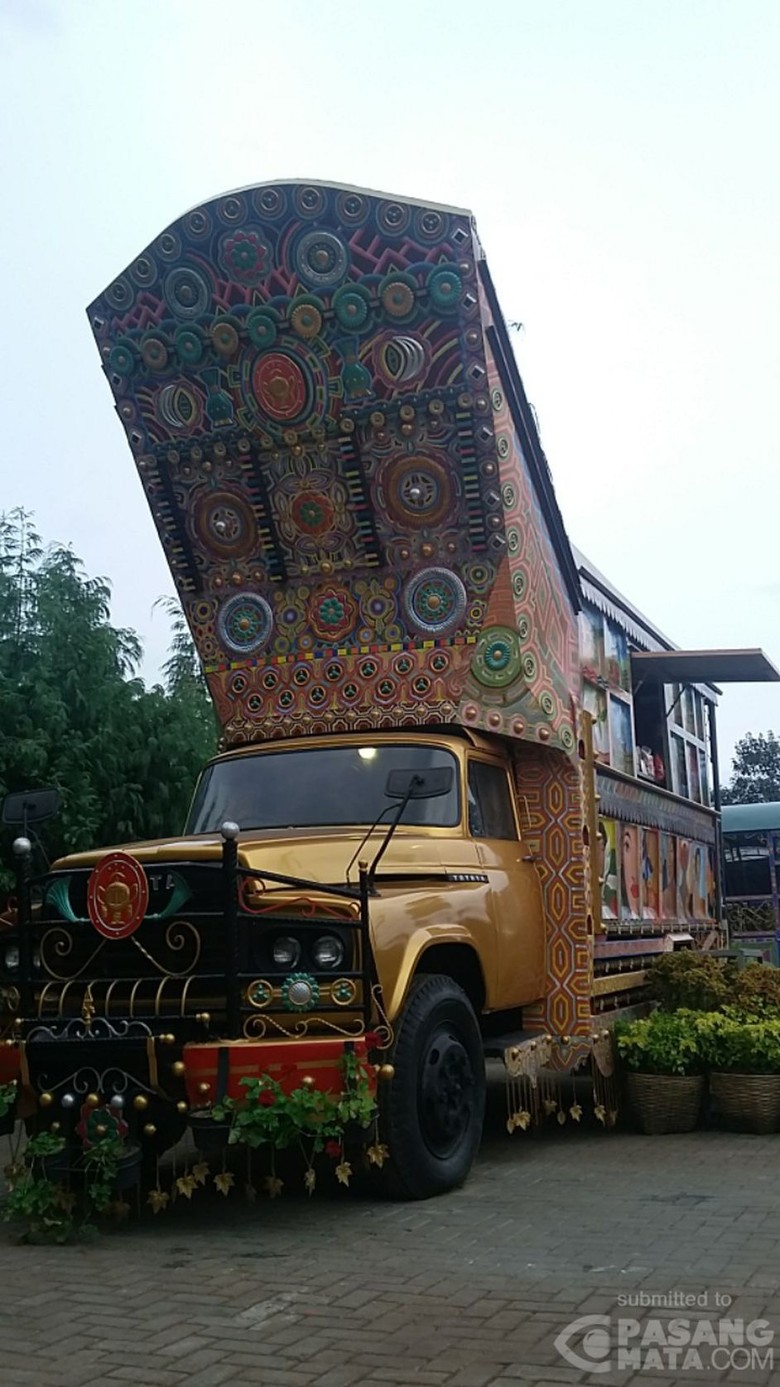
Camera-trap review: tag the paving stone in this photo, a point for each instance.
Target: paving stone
(470, 1290)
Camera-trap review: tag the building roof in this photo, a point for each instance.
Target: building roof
(751, 818)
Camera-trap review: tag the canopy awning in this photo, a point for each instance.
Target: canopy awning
(705, 666)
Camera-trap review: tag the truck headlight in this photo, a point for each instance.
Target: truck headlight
(328, 951)
(11, 958)
(286, 952)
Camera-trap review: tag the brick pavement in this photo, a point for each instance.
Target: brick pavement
(465, 1291)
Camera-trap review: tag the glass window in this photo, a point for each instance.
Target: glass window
(319, 787)
(594, 701)
(591, 644)
(679, 767)
(747, 868)
(616, 654)
(687, 721)
(490, 802)
(621, 742)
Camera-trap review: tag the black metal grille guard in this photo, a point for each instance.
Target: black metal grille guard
(229, 980)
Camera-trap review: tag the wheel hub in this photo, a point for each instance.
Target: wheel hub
(446, 1093)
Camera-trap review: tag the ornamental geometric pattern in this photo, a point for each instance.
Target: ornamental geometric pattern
(303, 376)
(550, 798)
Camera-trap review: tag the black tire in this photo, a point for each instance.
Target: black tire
(431, 1112)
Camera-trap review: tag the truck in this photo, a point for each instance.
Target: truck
(465, 792)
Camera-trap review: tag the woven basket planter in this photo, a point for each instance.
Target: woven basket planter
(749, 1102)
(665, 1103)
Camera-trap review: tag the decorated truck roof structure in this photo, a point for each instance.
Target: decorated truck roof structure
(320, 394)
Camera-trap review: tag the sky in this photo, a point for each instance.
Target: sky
(621, 161)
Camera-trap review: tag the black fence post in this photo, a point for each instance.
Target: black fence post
(23, 856)
(230, 833)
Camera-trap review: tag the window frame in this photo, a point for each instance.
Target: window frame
(477, 760)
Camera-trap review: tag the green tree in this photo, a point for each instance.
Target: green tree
(755, 770)
(73, 712)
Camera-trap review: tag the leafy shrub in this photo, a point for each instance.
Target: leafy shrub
(756, 990)
(733, 1043)
(691, 980)
(663, 1043)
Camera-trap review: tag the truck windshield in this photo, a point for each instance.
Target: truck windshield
(324, 786)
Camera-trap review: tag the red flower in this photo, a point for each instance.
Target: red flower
(333, 1148)
(267, 1098)
(373, 1039)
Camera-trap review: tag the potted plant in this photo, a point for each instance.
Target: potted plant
(209, 1133)
(307, 1120)
(662, 1056)
(743, 1055)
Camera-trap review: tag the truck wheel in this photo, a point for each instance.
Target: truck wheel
(431, 1112)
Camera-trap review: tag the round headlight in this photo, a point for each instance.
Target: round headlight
(286, 952)
(11, 957)
(328, 951)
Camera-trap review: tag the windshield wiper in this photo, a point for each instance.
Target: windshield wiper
(365, 839)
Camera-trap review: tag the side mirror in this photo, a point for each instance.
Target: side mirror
(25, 807)
(428, 784)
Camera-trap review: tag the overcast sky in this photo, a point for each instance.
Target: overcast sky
(621, 160)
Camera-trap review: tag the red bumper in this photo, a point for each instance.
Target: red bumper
(214, 1070)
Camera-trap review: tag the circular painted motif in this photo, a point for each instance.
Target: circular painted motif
(394, 218)
(332, 613)
(232, 209)
(261, 328)
(120, 294)
(430, 224)
(351, 208)
(169, 245)
(144, 271)
(312, 513)
(189, 345)
(547, 703)
(445, 287)
(435, 600)
(321, 259)
(246, 256)
(117, 896)
(310, 201)
(497, 659)
(397, 296)
(306, 320)
(280, 386)
(351, 306)
(198, 223)
(187, 293)
(270, 202)
(123, 359)
(419, 492)
(567, 738)
(225, 524)
(245, 623)
(224, 336)
(154, 352)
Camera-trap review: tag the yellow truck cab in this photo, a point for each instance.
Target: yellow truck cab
(466, 790)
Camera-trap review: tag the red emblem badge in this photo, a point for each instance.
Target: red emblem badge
(117, 896)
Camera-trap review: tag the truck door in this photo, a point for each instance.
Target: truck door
(515, 889)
